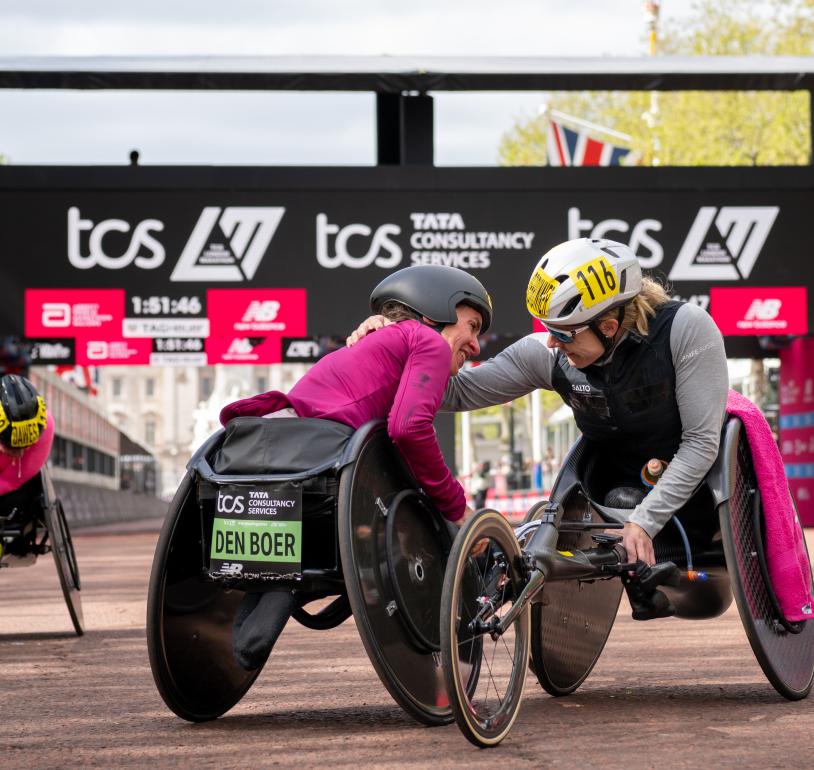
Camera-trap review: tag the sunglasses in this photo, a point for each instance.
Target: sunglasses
(566, 337)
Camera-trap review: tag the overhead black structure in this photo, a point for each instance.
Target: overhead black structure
(397, 74)
(404, 113)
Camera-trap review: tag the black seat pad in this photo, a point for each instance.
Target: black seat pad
(257, 445)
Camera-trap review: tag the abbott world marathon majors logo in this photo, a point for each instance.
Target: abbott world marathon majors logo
(435, 238)
(724, 243)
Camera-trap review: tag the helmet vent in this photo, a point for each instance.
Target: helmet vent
(571, 305)
(561, 278)
(610, 251)
(622, 281)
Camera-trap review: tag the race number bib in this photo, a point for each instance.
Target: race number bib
(595, 281)
(540, 290)
(257, 531)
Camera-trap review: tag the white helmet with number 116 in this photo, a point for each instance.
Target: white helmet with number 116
(580, 280)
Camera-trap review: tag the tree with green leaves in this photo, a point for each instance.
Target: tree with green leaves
(739, 128)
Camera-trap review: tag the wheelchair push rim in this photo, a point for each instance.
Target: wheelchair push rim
(410, 671)
(189, 621)
(787, 659)
(485, 675)
(65, 562)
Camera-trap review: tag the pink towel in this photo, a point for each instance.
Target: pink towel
(786, 556)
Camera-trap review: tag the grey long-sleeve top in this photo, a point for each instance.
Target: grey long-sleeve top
(702, 384)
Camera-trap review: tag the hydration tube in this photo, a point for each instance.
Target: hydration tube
(692, 574)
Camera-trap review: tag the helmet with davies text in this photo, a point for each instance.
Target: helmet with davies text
(580, 280)
(434, 291)
(23, 415)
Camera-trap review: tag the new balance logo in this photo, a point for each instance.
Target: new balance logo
(723, 243)
(763, 310)
(240, 346)
(228, 244)
(260, 311)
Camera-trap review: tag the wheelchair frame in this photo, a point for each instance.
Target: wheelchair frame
(43, 511)
(554, 568)
(189, 615)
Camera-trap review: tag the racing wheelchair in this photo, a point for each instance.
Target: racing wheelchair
(32, 523)
(311, 507)
(546, 594)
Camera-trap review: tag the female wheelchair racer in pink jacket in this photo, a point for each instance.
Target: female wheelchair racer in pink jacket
(399, 373)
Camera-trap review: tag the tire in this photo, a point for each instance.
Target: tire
(65, 561)
(410, 673)
(475, 664)
(787, 658)
(189, 621)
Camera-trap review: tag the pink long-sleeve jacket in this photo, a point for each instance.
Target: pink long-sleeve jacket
(400, 373)
(15, 471)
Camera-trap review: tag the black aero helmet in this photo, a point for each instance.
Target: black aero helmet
(434, 291)
(22, 412)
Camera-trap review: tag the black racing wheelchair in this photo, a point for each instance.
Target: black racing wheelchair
(546, 595)
(32, 523)
(306, 506)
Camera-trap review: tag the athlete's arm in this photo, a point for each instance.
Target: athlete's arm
(702, 383)
(410, 422)
(519, 369)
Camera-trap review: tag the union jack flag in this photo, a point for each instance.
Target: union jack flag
(566, 147)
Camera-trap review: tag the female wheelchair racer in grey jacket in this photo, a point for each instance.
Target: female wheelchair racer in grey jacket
(645, 376)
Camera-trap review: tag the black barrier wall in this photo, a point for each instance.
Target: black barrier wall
(167, 236)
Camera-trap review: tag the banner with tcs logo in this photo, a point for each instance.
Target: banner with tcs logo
(259, 254)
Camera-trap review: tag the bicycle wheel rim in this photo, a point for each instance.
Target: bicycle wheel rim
(65, 561)
(485, 676)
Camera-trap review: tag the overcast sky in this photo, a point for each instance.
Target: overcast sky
(272, 128)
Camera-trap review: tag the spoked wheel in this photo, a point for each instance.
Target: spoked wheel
(484, 673)
(65, 560)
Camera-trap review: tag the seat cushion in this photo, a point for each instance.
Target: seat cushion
(258, 445)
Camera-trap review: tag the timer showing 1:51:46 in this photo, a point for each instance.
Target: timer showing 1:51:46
(159, 305)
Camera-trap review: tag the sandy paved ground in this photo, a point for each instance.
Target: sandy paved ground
(667, 693)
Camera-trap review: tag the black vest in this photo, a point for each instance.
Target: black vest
(628, 406)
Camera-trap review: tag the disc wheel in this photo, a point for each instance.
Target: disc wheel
(787, 658)
(189, 620)
(65, 560)
(411, 672)
(485, 673)
(570, 626)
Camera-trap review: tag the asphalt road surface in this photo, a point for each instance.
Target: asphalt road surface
(665, 694)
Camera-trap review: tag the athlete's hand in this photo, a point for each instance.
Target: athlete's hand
(638, 544)
(370, 324)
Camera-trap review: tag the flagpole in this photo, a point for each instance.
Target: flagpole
(585, 123)
(651, 10)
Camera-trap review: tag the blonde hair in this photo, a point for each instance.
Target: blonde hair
(641, 308)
